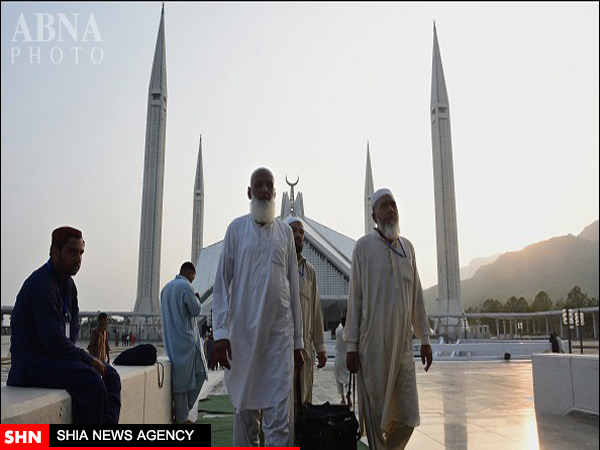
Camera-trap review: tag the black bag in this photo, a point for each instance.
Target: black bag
(326, 426)
(140, 355)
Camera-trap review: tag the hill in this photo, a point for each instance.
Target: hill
(590, 232)
(554, 266)
(475, 264)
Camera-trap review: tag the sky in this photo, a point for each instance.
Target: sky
(300, 88)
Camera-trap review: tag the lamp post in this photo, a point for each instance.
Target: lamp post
(567, 316)
(579, 322)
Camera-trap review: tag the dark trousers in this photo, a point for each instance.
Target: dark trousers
(95, 400)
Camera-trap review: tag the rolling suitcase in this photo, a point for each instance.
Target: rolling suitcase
(326, 426)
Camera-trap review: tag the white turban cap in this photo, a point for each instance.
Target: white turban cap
(380, 193)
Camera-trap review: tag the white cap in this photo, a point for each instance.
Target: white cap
(380, 193)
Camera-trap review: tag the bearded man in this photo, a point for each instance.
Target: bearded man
(312, 316)
(257, 319)
(385, 298)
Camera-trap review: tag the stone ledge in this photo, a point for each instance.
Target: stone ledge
(565, 383)
(142, 401)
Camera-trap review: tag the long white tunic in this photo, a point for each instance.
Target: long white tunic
(384, 300)
(256, 305)
(179, 308)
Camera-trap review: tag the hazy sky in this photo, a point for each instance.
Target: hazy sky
(299, 87)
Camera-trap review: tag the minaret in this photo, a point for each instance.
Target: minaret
(369, 223)
(198, 219)
(450, 302)
(154, 167)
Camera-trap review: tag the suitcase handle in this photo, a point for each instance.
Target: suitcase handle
(352, 391)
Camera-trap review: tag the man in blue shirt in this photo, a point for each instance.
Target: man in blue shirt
(180, 306)
(44, 327)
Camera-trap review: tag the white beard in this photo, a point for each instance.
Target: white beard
(390, 230)
(263, 211)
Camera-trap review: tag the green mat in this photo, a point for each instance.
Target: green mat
(221, 427)
(216, 404)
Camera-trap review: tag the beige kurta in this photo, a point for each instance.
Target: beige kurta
(312, 322)
(385, 303)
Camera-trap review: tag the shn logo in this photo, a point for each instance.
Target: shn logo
(48, 28)
(22, 437)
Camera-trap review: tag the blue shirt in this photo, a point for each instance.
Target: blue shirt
(38, 321)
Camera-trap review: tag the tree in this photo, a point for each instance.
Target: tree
(492, 305)
(515, 304)
(542, 302)
(577, 299)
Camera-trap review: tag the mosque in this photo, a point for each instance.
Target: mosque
(329, 251)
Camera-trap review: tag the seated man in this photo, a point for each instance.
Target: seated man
(44, 326)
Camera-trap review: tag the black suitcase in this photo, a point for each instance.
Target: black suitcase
(326, 426)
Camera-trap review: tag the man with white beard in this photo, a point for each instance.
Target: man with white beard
(257, 319)
(384, 299)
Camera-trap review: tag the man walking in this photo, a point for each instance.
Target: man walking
(257, 318)
(179, 307)
(385, 298)
(312, 315)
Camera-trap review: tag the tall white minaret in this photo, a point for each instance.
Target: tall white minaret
(147, 300)
(198, 220)
(369, 223)
(449, 299)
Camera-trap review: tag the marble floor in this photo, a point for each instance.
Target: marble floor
(466, 405)
(481, 405)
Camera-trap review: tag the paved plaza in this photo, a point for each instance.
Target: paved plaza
(471, 405)
(481, 405)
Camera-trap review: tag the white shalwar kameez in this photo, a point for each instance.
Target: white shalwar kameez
(385, 299)
(342, 375)
(256, 305)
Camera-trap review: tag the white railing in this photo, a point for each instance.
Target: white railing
(485, 350)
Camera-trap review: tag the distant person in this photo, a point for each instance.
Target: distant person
(342, 375)
(124, 339)
(132, 338)
(98, 346)
(44, 326)
(117, 337)
(257, 319)
(385, 304)
(209, 344)
(312, 315)
(180, 306)
(556, 343)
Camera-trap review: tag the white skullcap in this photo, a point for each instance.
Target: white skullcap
(380, 193)
(292, 219)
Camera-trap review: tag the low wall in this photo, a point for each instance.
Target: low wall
(482, 351)
(563, 383)
(142, 400)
